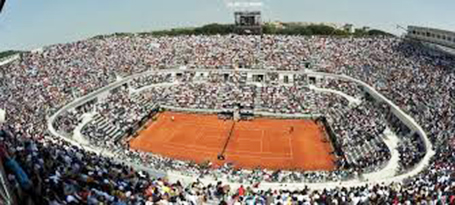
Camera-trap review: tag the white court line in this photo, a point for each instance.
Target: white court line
(290, 147)
(200, 123)
(206, 149)
(238, 153)
(230, 153)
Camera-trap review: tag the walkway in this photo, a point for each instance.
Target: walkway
(390, 170)
(352, 100)
(77, 135)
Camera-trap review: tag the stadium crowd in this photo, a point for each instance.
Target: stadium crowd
(46, 170)
(352, 131)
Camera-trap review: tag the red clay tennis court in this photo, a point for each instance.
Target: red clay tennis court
(262, 142)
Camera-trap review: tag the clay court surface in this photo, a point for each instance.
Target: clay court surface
(263, 142)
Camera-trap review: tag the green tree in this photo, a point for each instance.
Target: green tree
(376, 32)
(360, 32)
(339, 32)
(213, 29)
(269, 28)
(5, 54)
(321, 29)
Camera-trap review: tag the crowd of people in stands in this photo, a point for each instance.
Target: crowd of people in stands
(47, 170)
(360, 132)
(117, 107)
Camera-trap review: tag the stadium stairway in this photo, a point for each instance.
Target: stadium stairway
(102, 123)
(257, 98)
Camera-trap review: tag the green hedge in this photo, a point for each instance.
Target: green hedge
(267, 28)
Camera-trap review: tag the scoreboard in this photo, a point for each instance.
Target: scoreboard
(248, 22)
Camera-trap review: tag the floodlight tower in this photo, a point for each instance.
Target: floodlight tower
(247, 14)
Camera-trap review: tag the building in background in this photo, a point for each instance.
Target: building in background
(432, 35)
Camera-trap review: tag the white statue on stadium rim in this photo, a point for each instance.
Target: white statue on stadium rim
(2, 116)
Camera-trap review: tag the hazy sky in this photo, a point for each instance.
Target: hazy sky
(29, 24)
